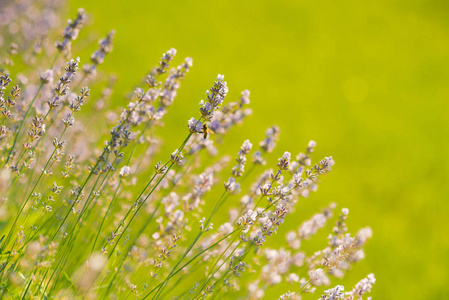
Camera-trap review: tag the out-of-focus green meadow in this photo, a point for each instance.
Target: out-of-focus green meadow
(369, 81)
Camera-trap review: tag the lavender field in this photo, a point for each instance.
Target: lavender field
(314, 168)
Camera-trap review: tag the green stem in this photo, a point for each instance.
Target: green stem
(217, 206)
(21, 124)
(221, 277)
(37, 143)
(192, 259)
(54, 61)
(32, 190)
(105, 216)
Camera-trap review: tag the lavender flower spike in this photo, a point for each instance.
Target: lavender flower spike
(195, 126)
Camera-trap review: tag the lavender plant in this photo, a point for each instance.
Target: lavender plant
(83, 220)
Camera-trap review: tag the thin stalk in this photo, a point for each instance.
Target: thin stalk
(118, 186)
(218, 259)
(152, 190)
(145, 225)
(238, 260)
(221, 277)
(132, 244)
(70, 235)
(189, 248)
(86, 205)
(64, 257)
(192, 259)
(28, 285)
(87, 179)
(37, 143)
(74, 201)
(54, 61)
(191, 272)
(223, 285)
(217, 206)
(209, 276)
(146, 198)
(135, 213)
(105, 216)
(34, 187)
(21, 124)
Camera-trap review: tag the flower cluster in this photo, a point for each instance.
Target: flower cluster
(97, 58)
(71, 32)
(215, 97)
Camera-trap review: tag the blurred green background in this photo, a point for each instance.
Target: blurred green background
(369, 81)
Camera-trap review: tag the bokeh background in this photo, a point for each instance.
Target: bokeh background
(368, 80)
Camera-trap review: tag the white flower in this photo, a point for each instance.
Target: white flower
(318, 277)
(172, 51)
(292, 277)
(124, 171)
(189, 61)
